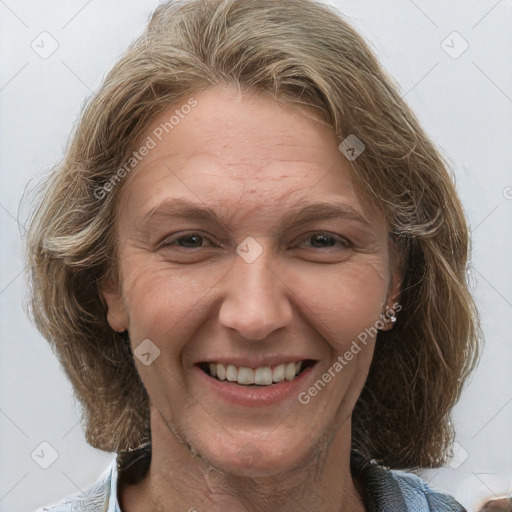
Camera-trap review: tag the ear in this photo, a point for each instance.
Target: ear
(116, 311)
(391, 306)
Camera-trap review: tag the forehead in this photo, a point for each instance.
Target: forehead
(240, 149)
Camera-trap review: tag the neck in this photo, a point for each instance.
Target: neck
(177, 479)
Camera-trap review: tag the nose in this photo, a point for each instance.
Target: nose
(255, 301)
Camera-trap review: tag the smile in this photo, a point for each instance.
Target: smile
(261, 376)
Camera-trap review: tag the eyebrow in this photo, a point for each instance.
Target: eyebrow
(296, 215)
(182, 208)
(323, 211)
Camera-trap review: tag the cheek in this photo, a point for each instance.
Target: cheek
(161, 301)
(342, 302)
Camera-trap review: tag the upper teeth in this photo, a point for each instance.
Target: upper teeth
(262, 376)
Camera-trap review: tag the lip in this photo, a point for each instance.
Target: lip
(255, 396)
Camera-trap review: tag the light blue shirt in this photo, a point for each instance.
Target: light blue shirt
(101, 497)
(386, 491)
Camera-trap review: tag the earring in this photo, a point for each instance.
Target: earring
(390, 318)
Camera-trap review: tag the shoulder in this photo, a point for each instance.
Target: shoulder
(387, 490)
(419, 496)
(100, 497)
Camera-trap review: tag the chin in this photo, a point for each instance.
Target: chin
(259, 457)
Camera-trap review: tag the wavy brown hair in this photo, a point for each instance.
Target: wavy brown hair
(303, 54)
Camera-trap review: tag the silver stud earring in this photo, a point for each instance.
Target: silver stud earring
(391, 318)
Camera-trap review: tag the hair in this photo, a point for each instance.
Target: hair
(303, 54)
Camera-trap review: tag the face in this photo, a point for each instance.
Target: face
(249, 266)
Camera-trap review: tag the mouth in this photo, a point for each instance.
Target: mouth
(261, 376)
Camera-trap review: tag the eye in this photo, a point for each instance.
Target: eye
(324, 240)
(190, 241)
(187, 241)
(187, 247)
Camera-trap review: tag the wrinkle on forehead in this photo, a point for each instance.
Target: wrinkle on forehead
(246, 153)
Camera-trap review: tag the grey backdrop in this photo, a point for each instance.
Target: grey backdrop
(452, 62)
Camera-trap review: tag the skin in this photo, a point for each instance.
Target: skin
(317, 284)
(498, 505)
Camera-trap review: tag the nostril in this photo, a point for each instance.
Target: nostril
(255, 311)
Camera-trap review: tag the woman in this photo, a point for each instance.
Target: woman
(251, 263)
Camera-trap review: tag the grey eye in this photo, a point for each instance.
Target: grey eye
(191, 241)
(322, 240)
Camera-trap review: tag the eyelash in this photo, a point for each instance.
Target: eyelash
(169, 241)
(341, 240)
